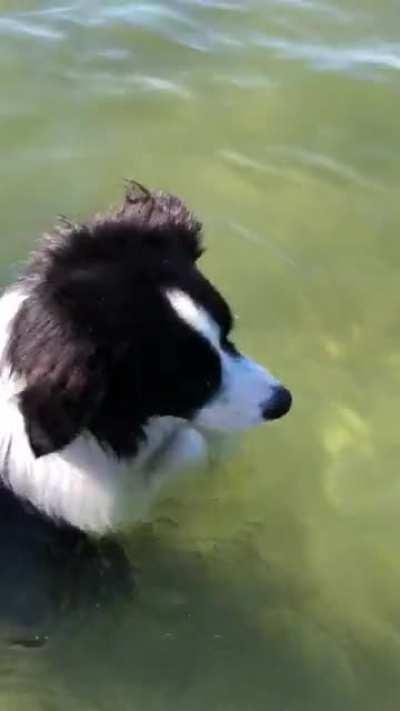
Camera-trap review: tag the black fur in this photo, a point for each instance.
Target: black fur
(49, 567)
(99, 345)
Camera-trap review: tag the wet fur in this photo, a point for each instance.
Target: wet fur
(116, 366)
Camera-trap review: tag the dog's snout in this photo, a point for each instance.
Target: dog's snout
(278, 405)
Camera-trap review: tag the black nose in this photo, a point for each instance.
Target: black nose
(278, 405)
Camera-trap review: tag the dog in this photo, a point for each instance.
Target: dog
(117, 368)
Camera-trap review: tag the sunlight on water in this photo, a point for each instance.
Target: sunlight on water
(272, 582)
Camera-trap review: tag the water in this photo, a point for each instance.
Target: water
(272, 582)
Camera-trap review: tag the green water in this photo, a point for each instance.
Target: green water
(272, 583)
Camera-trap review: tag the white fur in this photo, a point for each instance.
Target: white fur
(246, 387)
(194, 315)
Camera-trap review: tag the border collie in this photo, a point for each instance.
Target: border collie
(116, 365)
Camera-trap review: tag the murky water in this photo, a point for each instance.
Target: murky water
(274, 581)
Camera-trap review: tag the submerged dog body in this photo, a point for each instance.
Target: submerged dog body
(116, 367)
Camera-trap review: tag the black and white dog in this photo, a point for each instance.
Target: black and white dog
(117, 368)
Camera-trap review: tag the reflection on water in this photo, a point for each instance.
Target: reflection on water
(273, 581)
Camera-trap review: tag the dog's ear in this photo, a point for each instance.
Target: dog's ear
(62, 374)
(56, 412)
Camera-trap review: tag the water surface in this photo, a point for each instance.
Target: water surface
(272, 582)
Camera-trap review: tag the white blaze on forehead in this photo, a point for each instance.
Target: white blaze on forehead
(246, 387)
(194, 315)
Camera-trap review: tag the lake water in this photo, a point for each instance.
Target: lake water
(273, 582)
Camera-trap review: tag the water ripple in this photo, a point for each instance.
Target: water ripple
(15, 27)
(313, 6)
(255, 238)
(331, 166)
(237, 6)
(241, 160)
(290, 163)
(325, 57)
(144, 14)
(109, 83)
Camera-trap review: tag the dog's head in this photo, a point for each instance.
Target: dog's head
(119, 326)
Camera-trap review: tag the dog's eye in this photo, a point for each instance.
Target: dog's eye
(228, 346)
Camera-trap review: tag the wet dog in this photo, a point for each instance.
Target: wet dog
(117, 366)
